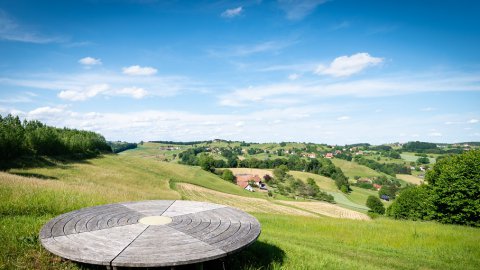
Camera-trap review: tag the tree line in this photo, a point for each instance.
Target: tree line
(18, 138)
(388, 168)
(119, 146)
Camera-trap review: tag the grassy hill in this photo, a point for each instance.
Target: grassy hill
(292, 237)
(352, 169)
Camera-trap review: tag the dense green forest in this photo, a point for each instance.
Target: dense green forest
(19, 138)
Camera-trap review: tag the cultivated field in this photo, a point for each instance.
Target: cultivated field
(410, 179)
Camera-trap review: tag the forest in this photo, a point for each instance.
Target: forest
(19, 138)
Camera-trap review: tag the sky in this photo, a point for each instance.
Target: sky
(335, 72)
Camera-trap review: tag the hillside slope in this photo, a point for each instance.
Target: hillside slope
(305, 241)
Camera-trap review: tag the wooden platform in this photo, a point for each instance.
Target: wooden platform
(149, 233)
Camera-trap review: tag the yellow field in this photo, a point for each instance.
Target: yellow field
(410, 179)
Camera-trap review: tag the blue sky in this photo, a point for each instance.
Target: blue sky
(332, 72)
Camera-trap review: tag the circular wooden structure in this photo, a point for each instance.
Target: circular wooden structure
(149, 233)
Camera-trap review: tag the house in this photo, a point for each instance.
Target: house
(364, 180)
(359, 153)
(377, 186)
(338, 152)
(249, 188)
(312, 155)
(329, 155)
(244, 179)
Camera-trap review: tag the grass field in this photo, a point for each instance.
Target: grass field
(352, 169)
(412, 157)
(308, 241)
(410, 179)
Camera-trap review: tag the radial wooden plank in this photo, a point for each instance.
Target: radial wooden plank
(150, 233)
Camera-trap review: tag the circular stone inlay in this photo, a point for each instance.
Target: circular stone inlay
(122, 235)
(155, 220)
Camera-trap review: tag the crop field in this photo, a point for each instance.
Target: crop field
(410, 179)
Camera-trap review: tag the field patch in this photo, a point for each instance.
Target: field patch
(329, 210)
(410, 179)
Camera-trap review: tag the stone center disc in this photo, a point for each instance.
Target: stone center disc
(155, 220)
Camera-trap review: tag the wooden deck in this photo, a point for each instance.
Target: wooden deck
(122, 235)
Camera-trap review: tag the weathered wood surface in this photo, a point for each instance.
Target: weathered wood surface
(112, 235)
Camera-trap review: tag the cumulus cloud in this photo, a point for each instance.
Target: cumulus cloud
(345, 66)
(139, 71)
(234, 12)
(90, 61)
(299, 9)
(83, 94)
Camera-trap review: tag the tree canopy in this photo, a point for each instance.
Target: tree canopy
(19, 138)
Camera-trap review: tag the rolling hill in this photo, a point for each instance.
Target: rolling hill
(295, 235)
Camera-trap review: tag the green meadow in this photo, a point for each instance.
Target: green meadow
(32, 196)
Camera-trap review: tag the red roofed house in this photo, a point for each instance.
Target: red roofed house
(329, 155)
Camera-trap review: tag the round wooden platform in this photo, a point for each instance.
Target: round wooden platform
(149, 233)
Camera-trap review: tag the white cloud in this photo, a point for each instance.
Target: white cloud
(134, 92)
(345, 66)
(90, 61)
(240, 124)
(293, 76)
(473, 121)
(299, 9)
(343, 118)
(234, 12)
(83, 94)
(42, 111)
(139, 71)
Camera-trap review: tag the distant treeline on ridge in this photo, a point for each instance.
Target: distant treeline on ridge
(19, 138)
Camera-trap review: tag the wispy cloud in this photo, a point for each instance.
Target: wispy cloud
(341, 25)
(343, 118)
(249, 49)
(139, 71)
(345, 66)
(385, 86)
(299, 9)
(231, 13)
(12, 31)
(86, 85)
(473, 121)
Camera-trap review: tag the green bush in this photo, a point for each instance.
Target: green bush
(412, 203)
(455, 186)
(375, 205)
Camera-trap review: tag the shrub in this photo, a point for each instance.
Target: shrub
(412, 203)
(455, 187)
(375, 205)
